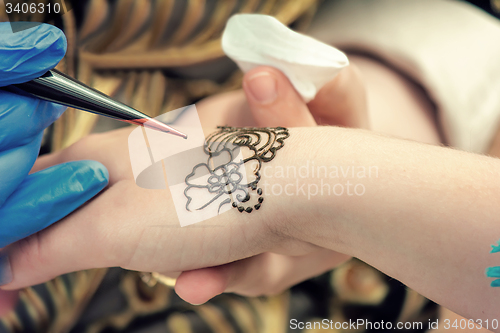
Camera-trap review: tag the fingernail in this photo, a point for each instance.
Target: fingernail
(263, 87)
(5, 270)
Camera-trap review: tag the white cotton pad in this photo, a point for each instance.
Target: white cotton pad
(253, 40)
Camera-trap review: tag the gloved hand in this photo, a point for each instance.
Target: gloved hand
(30, 203)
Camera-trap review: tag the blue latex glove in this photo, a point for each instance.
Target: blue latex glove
(30, 203)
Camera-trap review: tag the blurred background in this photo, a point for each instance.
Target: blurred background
(158, 56)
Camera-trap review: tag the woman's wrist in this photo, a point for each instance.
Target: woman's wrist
(337, 186)
(307, 184)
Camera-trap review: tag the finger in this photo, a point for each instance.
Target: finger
(265, 274)
(273, 101)
(8, 301)
(342, 101)
(85, 150)
(23, 118)
(47, 196)
(30, 53)
(280, 273)
(228, 108)
(84, 240)
(200, 285)
(15, 165)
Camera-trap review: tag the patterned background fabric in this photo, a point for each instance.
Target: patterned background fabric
(157, 56)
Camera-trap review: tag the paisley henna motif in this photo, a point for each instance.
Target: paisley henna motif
(227, 178)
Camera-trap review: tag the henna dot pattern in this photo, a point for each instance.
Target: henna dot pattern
(227, 178)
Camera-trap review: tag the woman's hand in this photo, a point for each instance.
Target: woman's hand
(127, 225)
(268, 99)
(138, 228)
(341, 102)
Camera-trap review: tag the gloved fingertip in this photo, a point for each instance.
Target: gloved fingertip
(49, 195)
(91, 173)
(56, 38)
(51, 45)
(30, 53)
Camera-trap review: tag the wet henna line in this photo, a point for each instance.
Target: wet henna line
(272, 136)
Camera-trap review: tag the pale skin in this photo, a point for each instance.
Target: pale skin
(411, 237)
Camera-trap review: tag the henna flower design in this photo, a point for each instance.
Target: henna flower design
(227, 178)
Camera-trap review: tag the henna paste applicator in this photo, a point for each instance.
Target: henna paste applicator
(59, 88)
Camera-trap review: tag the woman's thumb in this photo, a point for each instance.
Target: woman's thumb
(273, 100)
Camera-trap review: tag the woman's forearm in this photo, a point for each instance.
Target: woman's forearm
(424, 215)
